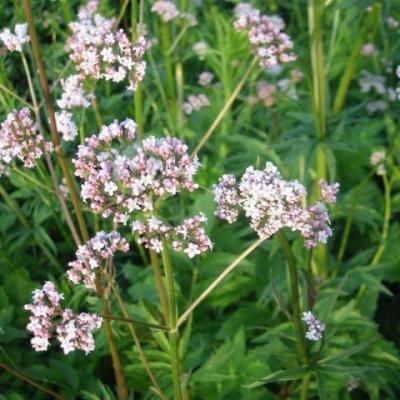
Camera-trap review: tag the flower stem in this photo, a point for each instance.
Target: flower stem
(304, 386)
(173, 333)
(159, 283)
(294, 285)
(225, 108)
(217, 281)
(30, 381)
(117, 366)
(136, 340)
(49, 105)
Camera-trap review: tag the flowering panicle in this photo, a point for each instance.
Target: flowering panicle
(195, 103)
(189, 236)
(201, 49)
(20, 138)
(168, 11)
(328, 192)
(73, 94)
(315, 327)
(271, 203)
(49, 320)
(122, 177)
(368, 49)
(66, 125)
(265, 34)
(392, 22)
(377, 159)
(93, 255)
(205, 78)
(14, 41)
(100, 53)
(370, 81)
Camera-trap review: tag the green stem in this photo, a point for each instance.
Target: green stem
(123, 393)
(371, 23)
(304, 386)
(136, 340)
(53, 125)
(294, 285)
(159, 284)
(173, 334)
(225, 108)
(169, 72)
(14, 207)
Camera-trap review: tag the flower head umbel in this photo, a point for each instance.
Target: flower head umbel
(271, 203)
(14, 41)
(195, 103)
(100, 53)
(121, 176)
(66, 125)
(205, 78)
(168, 11)
(73, 94)
(377, 159)
(266, 35)
(93, 255)
(189, 236)
(50, 320)
(21, 139)
(315, 327)
(328, 192)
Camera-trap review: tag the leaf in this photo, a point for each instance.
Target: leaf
(281, 376)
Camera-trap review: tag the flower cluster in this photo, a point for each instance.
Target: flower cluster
(48, 319)
(377, 159)
(169, 11)
(265, 34)
(368, 50)
(353, 383)
(93, 255)
(100, 53)
(370, 81)
(122, 177)
(315, 327)
(271, 203)
(20, 138)
(189, 236)
(14, 41)
(205, 78)
(328, 192)
(201, 49)
(66, 125)
(73, 94)
(194, 103)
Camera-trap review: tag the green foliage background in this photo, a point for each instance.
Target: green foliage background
(239, 343)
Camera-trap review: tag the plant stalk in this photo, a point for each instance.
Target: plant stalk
(173, 333)
(53, 125)
(294, 286)
(217, 281)
(136, 340)
(225, 108)
(159, 283)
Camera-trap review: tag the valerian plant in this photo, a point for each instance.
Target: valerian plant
(199, 200)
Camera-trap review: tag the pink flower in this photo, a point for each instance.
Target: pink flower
(48, 319)
(328, 192)
(205, 78)
(121, 177)
(195, 103)
(20, 138)
(271, 203)
(315, 327)
(93, 256)
(14, 41)
(265, 35)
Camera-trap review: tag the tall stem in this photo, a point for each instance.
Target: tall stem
(225, 108)
(136, 340)
(173, 334)
(117, 366)
(217, 281)
(294, 286)
(159, 283)
(53, 125)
